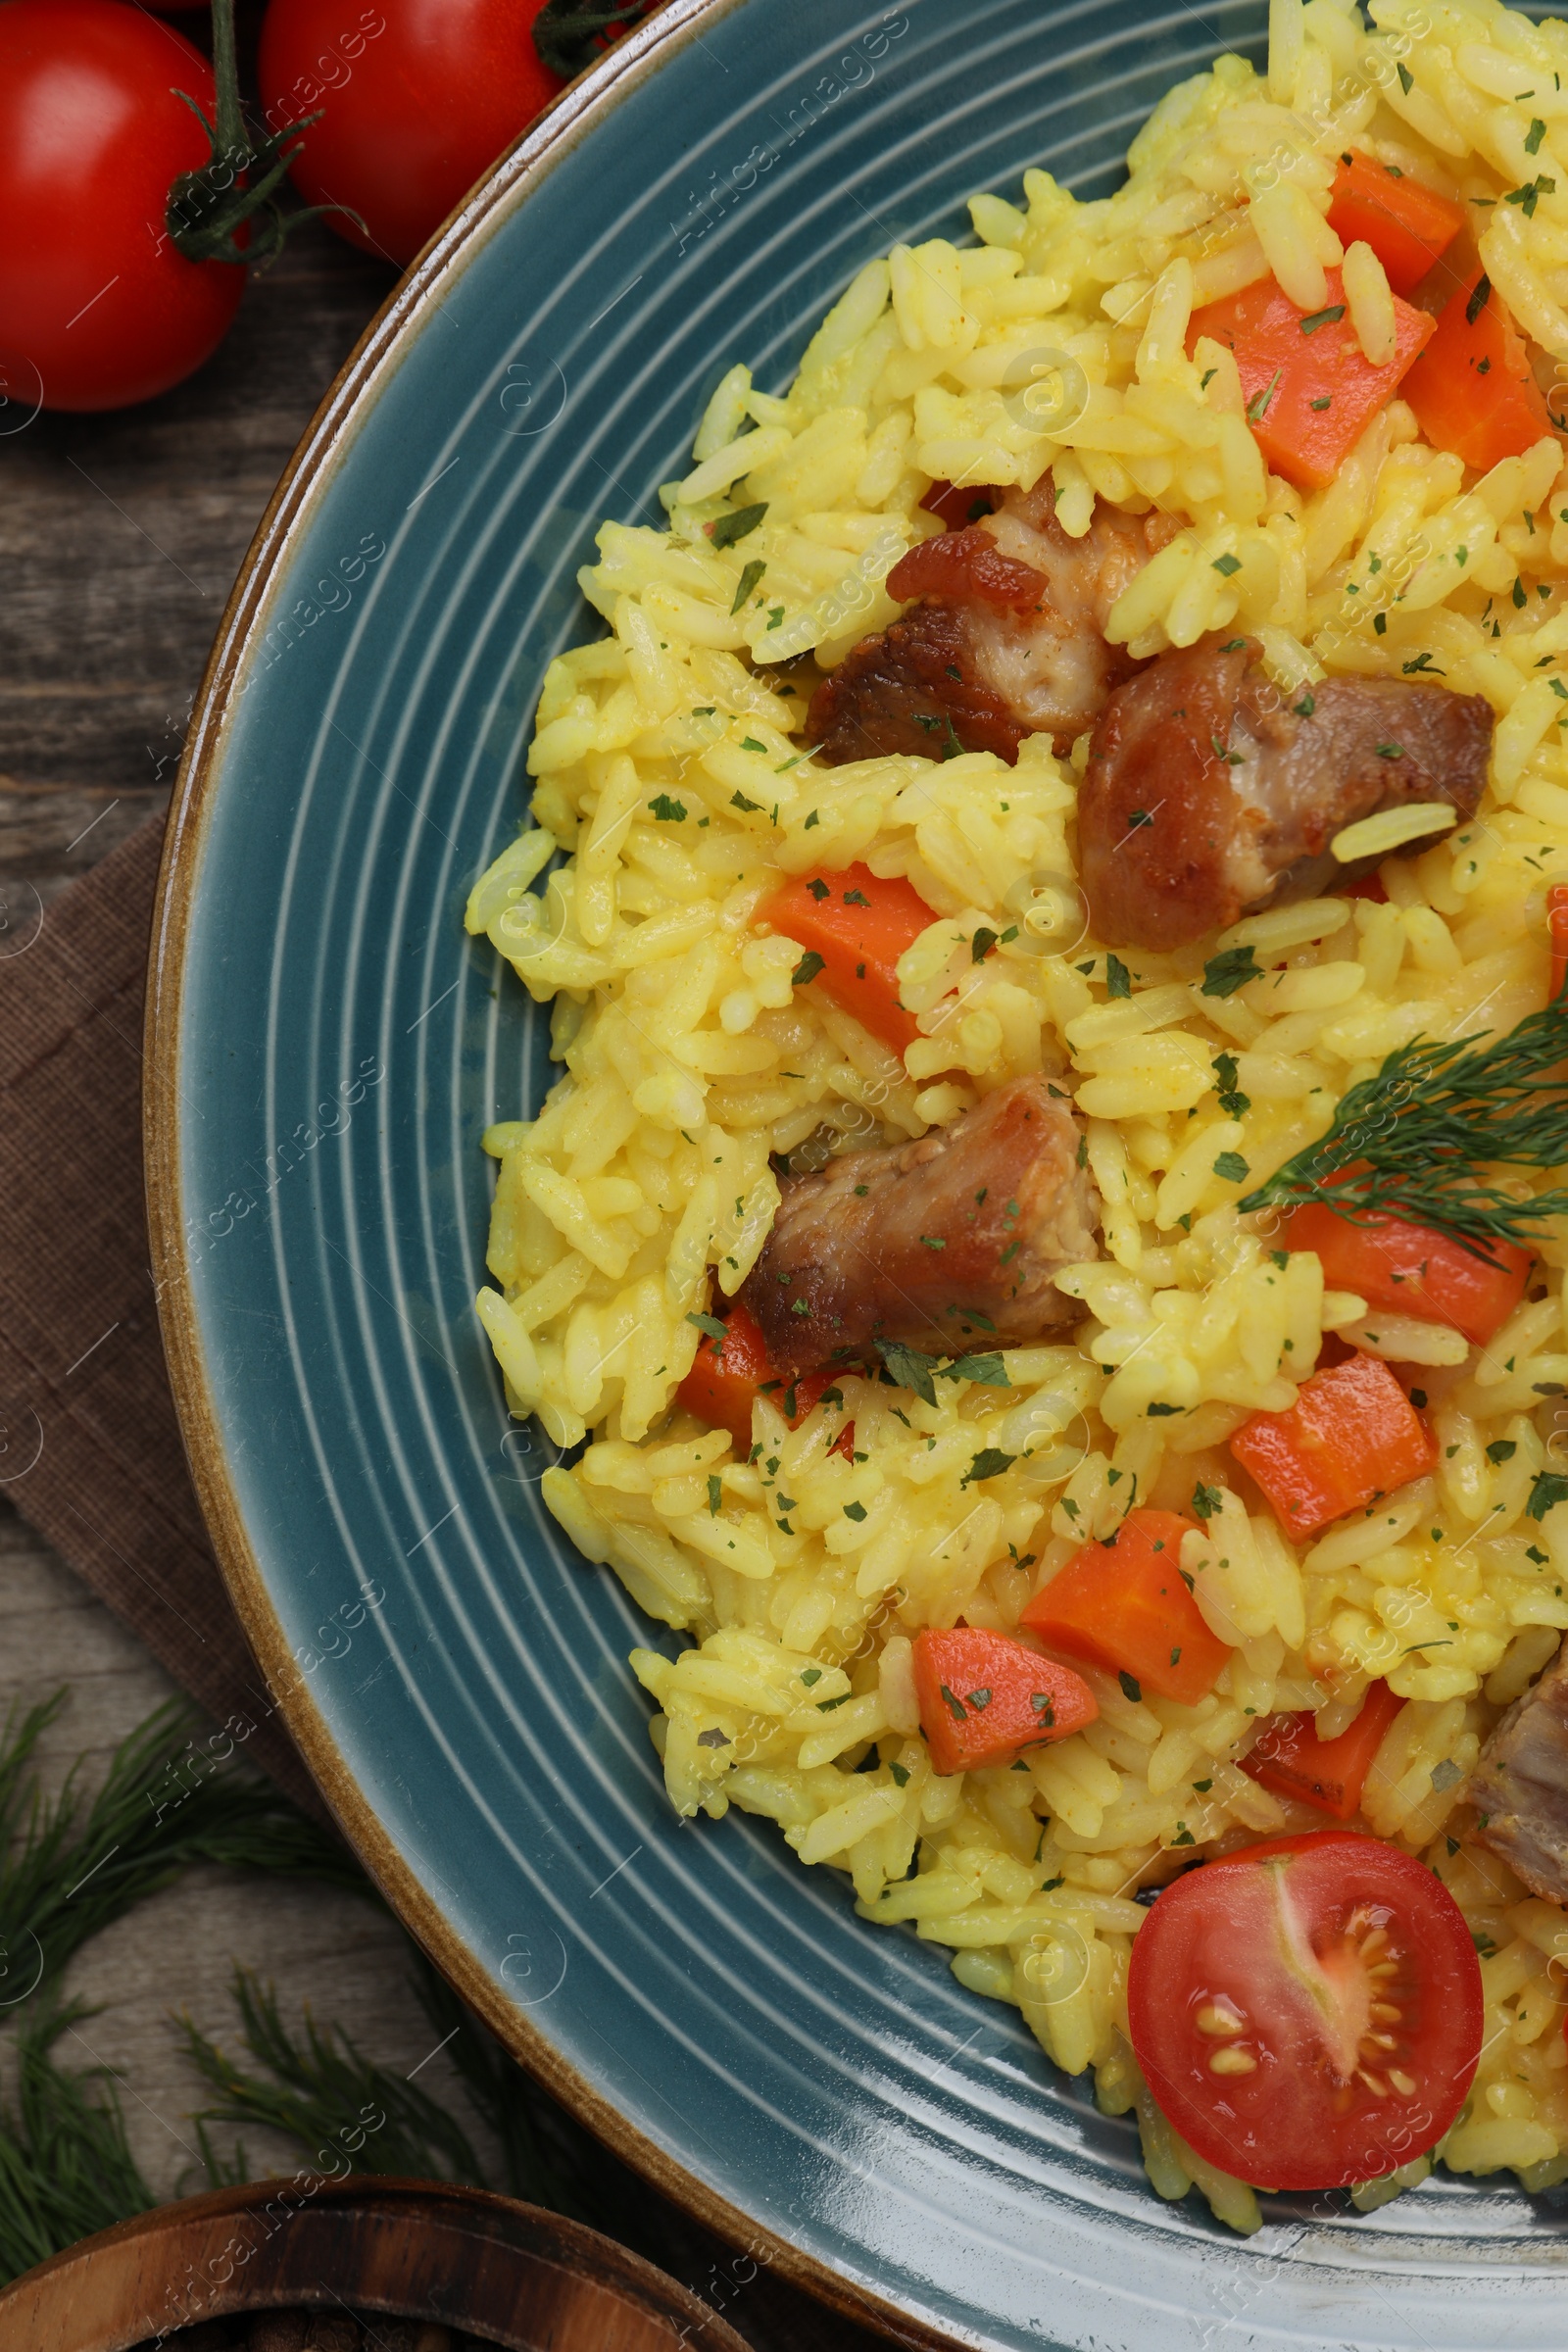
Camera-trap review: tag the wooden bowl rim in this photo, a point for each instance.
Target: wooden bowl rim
(46, 2295)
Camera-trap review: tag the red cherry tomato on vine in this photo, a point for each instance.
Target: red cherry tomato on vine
(418, 99)
(97, 309)
(1307, 2012)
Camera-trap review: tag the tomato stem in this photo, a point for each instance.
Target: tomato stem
(568, 34)
(208, 207)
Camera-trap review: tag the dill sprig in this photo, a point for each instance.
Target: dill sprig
(316, 2086)
(321, 2089)
(71, 1867)
(1412, 1141)
(65, 2167)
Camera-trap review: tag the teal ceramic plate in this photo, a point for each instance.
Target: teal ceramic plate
(327, 1049)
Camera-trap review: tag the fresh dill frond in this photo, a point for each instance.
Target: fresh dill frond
(316, 2086)
(321, 2090)
(68, 1869)
(71, 1867)
(65, 2166)
(1413, 1141)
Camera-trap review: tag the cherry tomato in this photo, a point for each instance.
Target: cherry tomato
(1307, 2012)
(97, 308)
(419, 98)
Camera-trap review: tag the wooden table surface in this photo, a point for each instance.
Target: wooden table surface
(119, 539)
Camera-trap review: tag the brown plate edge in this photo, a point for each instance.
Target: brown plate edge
(321, 449)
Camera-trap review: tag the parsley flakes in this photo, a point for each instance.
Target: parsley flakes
(739, 525)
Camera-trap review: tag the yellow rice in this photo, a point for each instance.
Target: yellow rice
(670, 762)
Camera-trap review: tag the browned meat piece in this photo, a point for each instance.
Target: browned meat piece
(947, 1244)
(1208, 796)
(968, 567)
(1520, 1787)
(1007, 640)
(915, 689)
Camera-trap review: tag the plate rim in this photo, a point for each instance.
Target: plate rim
(406, 312)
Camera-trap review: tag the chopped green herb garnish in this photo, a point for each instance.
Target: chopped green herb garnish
(748, 581)
(1547, 1488)
(1224, 974)
(1317, 319)
(1257, 409)
(989, 1462)
(1231, 1102)
(739, 525)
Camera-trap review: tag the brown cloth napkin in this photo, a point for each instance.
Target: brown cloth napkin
(90, 1449)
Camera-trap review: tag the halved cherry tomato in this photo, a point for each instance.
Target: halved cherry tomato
(727, 1373)
(1411, 1270)
(854, 929)
(984, 1697)
(1124, 1607)
(1408, 228)
(1307, 2012)
(1352, 1435)
(1289, 1757)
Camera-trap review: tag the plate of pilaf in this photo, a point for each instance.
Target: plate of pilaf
(859, 1096)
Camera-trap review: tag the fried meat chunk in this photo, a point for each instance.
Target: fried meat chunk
(948, 1244)
(1210, 795)
(1520, 1789)
(1004, 637)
